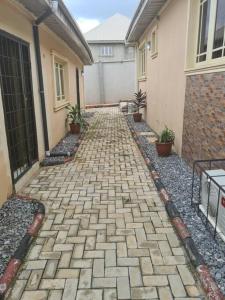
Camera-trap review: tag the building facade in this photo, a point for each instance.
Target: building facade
(112, 76)
(180, 49)
(41, 52)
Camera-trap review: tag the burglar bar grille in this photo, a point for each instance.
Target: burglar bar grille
(17, 97)
(208, 194)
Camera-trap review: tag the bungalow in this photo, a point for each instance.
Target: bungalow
(42, 56)
(181, 65)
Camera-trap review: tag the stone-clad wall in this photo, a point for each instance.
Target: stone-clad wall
(204, 117)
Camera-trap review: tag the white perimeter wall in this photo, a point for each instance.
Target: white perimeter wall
(109, 82)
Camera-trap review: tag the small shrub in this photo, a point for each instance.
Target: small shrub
(167, 136)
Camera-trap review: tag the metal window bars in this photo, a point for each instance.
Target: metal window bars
(210, 203)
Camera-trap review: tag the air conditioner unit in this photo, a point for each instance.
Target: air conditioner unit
(209, 199)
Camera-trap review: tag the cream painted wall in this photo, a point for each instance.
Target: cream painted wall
(18, 23)
(165, 78)
(56, 118)
(5, 182)
(14, 20)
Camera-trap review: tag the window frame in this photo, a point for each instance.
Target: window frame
(61, 61)
(211, 35)
(60, 73)
(106, 51)
(154, 42)
(142, 61)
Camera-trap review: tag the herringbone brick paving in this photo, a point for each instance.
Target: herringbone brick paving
(106, 233)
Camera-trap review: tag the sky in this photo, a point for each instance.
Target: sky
(90, 13)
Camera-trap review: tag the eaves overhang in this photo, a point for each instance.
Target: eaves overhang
(106, 42)
(146, 12)
(63, 25)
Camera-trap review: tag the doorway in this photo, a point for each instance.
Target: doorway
(18, 104)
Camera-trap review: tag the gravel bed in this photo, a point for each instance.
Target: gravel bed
(16, 216)
(53, 161)
(66, 147)
(176, 176)
(88, 114)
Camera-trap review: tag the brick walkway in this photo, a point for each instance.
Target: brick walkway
(106, 234)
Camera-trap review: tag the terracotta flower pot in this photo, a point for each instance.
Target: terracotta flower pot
(137, 117)
(164, 149)
(74, 128)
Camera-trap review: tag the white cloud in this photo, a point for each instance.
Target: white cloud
(87, 24)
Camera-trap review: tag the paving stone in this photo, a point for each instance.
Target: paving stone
(131, 242)
(67, 273)
(177, 286)
(34, 280)
(18, 289)
(155, 280)
(192, 291)
(35, 295)
(186, 275)
(85, 278)
(110, 258)
(36, 264)
(126, 262)
(81, 263)
(135, 277)
(52, 284)
(121, 250)
(107, 233)
(89, 295)
(78, 251)
(104, 282)
(123, 288)
(116, 272)
(146, 265)
(55, 295)
(50, 269)
(165, 270)
(65, 260)
(110, 294)
(70, 290)
(98, 268)
(165, 293)
(144, 293)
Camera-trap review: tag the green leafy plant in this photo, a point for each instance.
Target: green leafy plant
(75, 116)
(167, 136)
(140, 100)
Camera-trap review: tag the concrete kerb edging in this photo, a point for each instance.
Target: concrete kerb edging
(18, 258)
(208, 283)
(102, 105)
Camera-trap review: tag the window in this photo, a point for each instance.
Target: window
(211, 36)
(203, 30)
(106, 51)
(142, 61)
(219, 41)
(59, 81)
(154, 43)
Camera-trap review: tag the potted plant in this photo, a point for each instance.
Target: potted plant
(165, 142)
(76, 119)
(140, 102)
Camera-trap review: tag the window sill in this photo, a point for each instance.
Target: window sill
(144, 78)
(61, 106)
(206, 68)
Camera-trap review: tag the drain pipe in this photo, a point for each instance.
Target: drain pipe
(53, 8)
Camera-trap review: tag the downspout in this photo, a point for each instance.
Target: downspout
(53, 7)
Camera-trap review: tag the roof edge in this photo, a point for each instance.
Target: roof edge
(77, 29)
(135, 18)
(146, 12)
